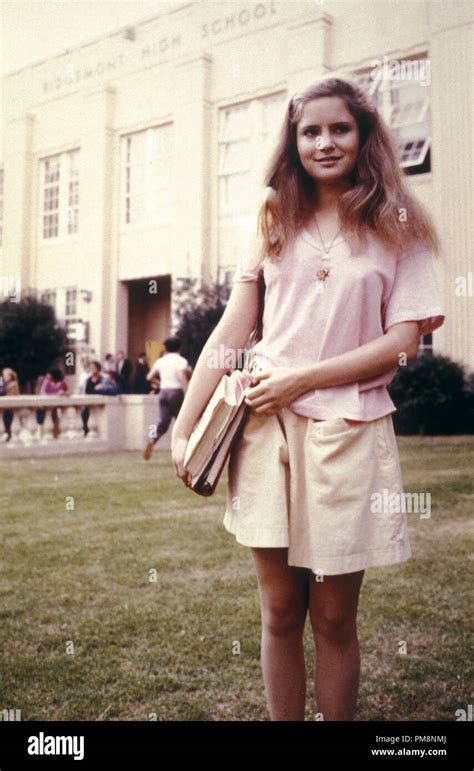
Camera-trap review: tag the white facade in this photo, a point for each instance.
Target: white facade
(136, 158)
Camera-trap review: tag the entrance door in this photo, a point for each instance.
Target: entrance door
(149, 317)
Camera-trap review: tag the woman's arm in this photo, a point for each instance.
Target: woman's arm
(369, 360)
(231, 333)
(279, 387)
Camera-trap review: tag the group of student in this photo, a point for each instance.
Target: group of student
(167, 377)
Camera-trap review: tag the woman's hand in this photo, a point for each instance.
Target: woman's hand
(178, 450)
(273, 389)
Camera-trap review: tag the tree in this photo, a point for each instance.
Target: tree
(199, 311)
(31, 340)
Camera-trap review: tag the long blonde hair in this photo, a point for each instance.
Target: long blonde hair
(371, 205)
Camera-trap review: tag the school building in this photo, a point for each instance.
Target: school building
(131, 164)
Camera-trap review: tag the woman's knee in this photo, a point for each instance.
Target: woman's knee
(283, 618)
(283, 591)
(333, 607)
(334, 625)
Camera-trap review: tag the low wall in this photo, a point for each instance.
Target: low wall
(115, 423)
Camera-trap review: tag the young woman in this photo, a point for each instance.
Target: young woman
(350, 288)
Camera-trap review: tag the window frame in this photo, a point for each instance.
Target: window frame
(257, 139)
(383, 90)
(69, 173)
(151, 206)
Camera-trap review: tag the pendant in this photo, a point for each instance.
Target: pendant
(325, 256)
(322, 274)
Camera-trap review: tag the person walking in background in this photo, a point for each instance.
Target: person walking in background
(172, 369)
(140, 383)
(94, 379)
(124, 370)
(53, 384)
(8, 387)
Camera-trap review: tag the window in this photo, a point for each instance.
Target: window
(246, 137)
(1, 208)
(405, 107)
(426, 344)
(71, 303)
(272, 110)
(234, 158)
(65, 304)
(60, 194)
(73, 197)
(147, 178)
(51, 198)
(135, 178)
(410, 121)
(71, 317)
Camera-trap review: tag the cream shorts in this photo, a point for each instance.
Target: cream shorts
(309, 485)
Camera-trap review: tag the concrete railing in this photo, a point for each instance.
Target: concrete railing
(115, 423)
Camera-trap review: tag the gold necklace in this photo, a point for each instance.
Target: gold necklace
(324, 270)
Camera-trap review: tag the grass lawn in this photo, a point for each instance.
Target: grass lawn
(86, 635)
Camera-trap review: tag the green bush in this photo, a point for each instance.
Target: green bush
(433, 396)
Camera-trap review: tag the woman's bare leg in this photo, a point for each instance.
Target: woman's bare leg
(333, 613)
(283, 594)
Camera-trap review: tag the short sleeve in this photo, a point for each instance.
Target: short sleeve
(415, 294)
(244, 271)
(247, 262)
(245, 274)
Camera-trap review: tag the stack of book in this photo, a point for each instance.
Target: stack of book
(214, 433)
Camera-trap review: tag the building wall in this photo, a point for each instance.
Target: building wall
(183, 68)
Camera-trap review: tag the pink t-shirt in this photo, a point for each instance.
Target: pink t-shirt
(306, 321)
